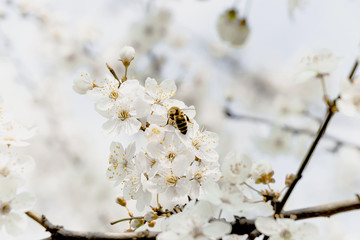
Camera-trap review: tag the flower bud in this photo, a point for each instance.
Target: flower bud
(127, 54)
(121, 201)
(151, 224)
(150, 216)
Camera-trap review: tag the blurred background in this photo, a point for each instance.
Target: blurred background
(45, 45)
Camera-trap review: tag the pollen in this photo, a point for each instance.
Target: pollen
(124, 114)
(171, 180)
(114, 94)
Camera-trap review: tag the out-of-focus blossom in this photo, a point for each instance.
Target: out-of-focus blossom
(318, 65)
(13, 163)
(279, 142)
(286, 229)
(224, 195)
(236, 168)
(151, 30)
(347, 169)
(262, 172)
(232, 29)
(349, 103)
(84, 84)
(13, 134)
(294, 5)
(12, 204)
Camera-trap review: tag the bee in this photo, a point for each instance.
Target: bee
(178, 119)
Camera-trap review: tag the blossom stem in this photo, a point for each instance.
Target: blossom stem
(126, 219)
(252, 188)
(331, 111)
(353, 70)
(125, 75)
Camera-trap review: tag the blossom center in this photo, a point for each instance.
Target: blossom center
(285, 234)
(171, 156)
(124, 114)
(171, 180)
(114, 94)
(196, 143)
(4, 171)
(5, 208)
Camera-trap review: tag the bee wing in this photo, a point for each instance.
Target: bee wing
(190, 111)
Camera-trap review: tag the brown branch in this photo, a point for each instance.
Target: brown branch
(325, 210)
(243, 226)
(331, 111)
(240, 226)
(60, 233)
(353, 70)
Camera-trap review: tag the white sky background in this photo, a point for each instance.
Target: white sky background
(275, 45)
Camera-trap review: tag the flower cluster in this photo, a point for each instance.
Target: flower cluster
(177, 160)
(13, 201)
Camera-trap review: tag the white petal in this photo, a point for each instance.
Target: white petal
(23, 202)
(267, 225)
(132, 126)
(217, 229)
(14, 224)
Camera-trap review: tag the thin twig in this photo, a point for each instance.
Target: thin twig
(325, 210)
(353, 70)
(240, 226)
(59, 233)
(331, 111)
(294, 130)
(126, 219)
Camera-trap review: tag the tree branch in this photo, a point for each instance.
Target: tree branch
(59, 233)
(331, 111)
(325, 210)
(240, 226)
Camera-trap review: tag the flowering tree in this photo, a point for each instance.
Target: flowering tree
(168, 168)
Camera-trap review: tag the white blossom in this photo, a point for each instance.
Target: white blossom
(159, 94)
(119, 160)
(236, 167)
(13, 134)
(224, 195)
(137, 183)
(13, 163)
(84, 84)
(232, 29)
(154, 133)
(285, 229)
(127, 54)
(193, 224)
(318, 65)
(123, 117)
(349, 103)
(201, 143)
(12, 204)
(200, 172)
(171, 181)
(260, 169)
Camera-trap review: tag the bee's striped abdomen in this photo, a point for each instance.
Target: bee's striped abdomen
(181, 124)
